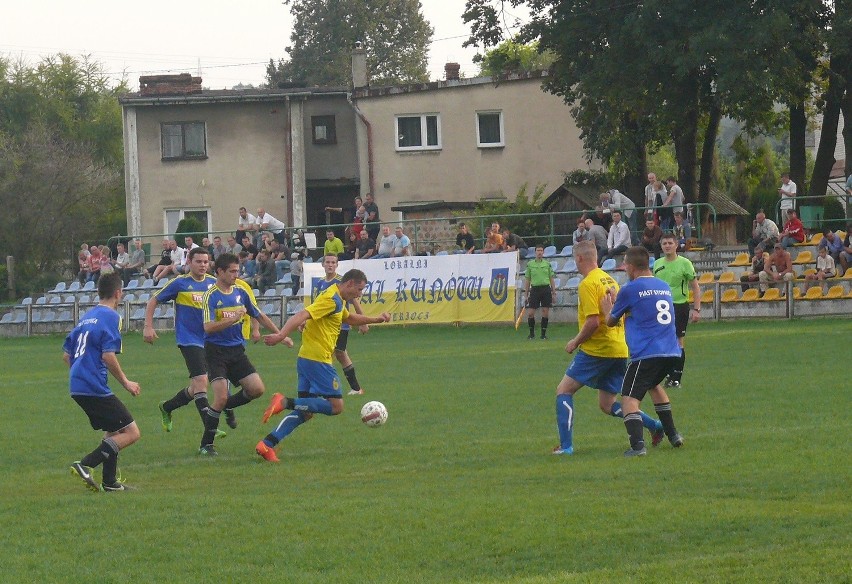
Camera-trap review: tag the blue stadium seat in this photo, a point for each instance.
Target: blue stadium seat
(272, 292)
(567, 251)
(41, 300)
(88, 286)
(138, 314)
(64, 316)
(442, 252)
(285, 279)
(569, 266)
(147, 284)
(49, 316)
(27, 301)
(549, 251)
(20, 317)
(609, 264)
(144, 297)
(170, 312)
(130, 297)
(572, 283)
(132, 284)
(74, 287)
(69, 299)
(60, 287)
(85, 299)
(7, 318)
(55, 300)
(531, 253)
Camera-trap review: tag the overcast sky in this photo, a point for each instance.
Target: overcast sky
(230, 42)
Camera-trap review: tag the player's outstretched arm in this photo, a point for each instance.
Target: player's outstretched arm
(266, 322)
(293, 323)
(111, 361)
(360, 319)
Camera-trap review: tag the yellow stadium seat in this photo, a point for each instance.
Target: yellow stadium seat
(707, 297)
(835, 291)
(706, 278)
(841, 234)
(807, 272)
(726, 277)
(817, 237)
(741, 260)
(730, 295)
(797, 293)
(848, 274)
(772, 294)
(814, 293)
(804, 257)
(751, 295)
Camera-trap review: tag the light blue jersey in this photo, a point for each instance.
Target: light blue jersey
(650, 319)
(187, 292)
(98, 332)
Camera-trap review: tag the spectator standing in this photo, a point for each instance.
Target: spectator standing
(401, 245)
(682, 230)
(602, 217)
(246, 225)
(618, 239)
(764, 233)
(464, 239)
(371, 218)
(794, 231)
(266, 222)
(296, 271)
(540, 291)
(787, 191)
(673, 202)
(651, 238)
(598, 235)
(651, 195)
(616, 200)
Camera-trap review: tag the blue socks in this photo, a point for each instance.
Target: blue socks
(647, 420)
(290, 422)
(315, 405)
(565, 420)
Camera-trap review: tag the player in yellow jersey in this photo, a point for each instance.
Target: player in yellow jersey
(319, 385)
(601, 358)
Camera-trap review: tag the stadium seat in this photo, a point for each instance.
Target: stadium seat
(554, 264)
(727, 277)
(147, 284)
(41, 300)
(806, 273)
(64, 316)
(144, 297)
(740, 261)
(817, 237)
(549, 251)
(55, 300)
(138, 314)
(531, 253)
(49, 316)
(7, 318)
(814, 293)
(572, 283)
(848, 274)
(74, 287)
(804, 257)
(569, 266)
(772, 294)
(706, 278)
(60, 287)
(132, 284)
(29, 300)
(256, 292)
(797, 293)
(651, 261)
(609, 264)
(285, 279)
(170, 312)
(443, 252)
(272, 292)
(291, 310)
(85, 299)
(567, 251)
(835, 291)
(730, 295)
(21, 317)
(130, 297)
(751, 295)
(88, 286)
(707, 296)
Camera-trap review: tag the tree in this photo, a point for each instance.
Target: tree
(511, 56)
(394, 33)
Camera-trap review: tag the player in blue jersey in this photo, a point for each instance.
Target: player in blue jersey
(318, 384)
(649, 322)
(329, 264)
(224, 306)
(90, 351)
(186, 291)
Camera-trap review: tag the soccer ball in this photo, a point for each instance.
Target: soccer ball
(374, 414)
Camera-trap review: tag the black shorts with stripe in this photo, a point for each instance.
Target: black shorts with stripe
(644, 375)
(681, 314)
(342, 340)
(229, 363)
(196, 360)
(106, 413)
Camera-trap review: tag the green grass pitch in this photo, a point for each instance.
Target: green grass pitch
(459, 485)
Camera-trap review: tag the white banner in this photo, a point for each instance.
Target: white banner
(434, 289)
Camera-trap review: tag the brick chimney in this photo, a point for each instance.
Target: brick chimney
(360, 78)
(452, 71)
(181, 84)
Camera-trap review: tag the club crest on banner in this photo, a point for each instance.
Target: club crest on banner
(498, 291)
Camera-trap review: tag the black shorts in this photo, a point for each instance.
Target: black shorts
(106, 413)
(540, 297)
(646, 374)
(196, 360)
(229, 363)
(681, 318)
(342, 339)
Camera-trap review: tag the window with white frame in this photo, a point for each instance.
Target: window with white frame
(418, 132)
(172, 217)
(183, 140)
(489, 129)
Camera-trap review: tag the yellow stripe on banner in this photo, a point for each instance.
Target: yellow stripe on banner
(445, 311)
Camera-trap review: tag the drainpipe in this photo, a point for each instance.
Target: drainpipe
(288, 161)
(370, 169)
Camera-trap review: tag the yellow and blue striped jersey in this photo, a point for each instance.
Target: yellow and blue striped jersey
(187, 292)
(220, 304)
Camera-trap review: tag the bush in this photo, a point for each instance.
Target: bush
(189, 226)
(834, 217)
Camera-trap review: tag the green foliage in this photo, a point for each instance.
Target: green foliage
(394, 33)
(511, 56)
(189, 226)
(522, 216)
(663, 162)
(834, 217)
(458, 486)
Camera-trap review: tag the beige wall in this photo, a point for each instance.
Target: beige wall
(541, 140)
(331, 161)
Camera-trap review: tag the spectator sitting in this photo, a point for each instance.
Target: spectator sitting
(401, 245)
(94, 264)
(83, 263)
(464, 239)
(618, 240)
(614, 199)
(351, 244)
(651, 238)
(597, 234)
(581, 231)
(494, 240)
(833, 244)
(764, 233)
(794, 231)
(386, 244)
(846, 253)
(233, 247)
(296, 271)
(682, 230)
(217, 248)
(333, 245)
(165, 269)
(514, 242)
(366, 247)
(249, 247)
(122, 260)
(824, 266)
(135, 263)
(182, 264)
(757, 263)
(265, 274)
(106, 261)
(165, 259)
(777, 268)
(248, 267)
